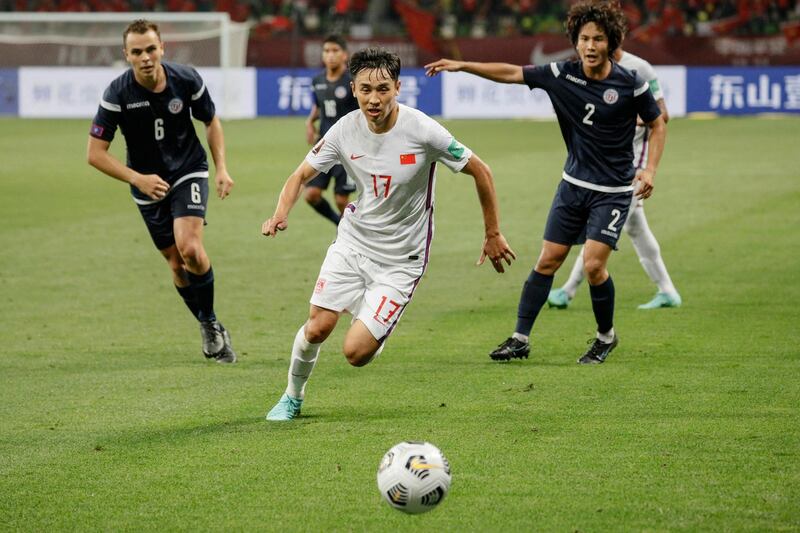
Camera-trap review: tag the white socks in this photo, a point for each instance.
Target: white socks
(304, 357)
(606, 337)
(648, 250)
(575, 276)
(520, 337)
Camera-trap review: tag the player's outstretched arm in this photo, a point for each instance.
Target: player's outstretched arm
(288, 197)
(499, 72)
(494, 244)
(97, 155)
(216, 143)
(658, 137)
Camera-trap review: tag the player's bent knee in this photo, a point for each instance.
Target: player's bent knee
(358, 357)
(595, 270)
(317, 331)
(313, 195)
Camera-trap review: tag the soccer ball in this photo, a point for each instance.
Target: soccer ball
(414, 477)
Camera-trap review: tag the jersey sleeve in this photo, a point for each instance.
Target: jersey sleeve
(445, 148)
(646, 106)
(325, 154)
(202, 105)
(540, 76)
(647, 72)
(109, 112)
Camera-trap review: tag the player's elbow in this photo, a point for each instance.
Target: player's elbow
(92, 157)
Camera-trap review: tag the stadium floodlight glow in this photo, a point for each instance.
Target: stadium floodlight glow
(95, 39)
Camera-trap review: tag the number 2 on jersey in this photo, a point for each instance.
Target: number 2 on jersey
(590, 111)
(387, 181)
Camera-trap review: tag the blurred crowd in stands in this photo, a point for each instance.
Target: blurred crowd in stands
(457, 18)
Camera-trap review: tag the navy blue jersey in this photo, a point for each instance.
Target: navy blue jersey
(597, 119)
(158, 128)
(333, 98)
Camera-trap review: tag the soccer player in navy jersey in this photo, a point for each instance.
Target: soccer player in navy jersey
(596, 102)
(153, 103)
(333, 99)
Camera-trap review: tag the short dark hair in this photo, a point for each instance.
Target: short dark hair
(335, 39)
(606, 14)
(375, 58)
(140, 26)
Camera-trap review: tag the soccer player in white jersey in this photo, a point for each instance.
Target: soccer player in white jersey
(384, 237)
(636, 226)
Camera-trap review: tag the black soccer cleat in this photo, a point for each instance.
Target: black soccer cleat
(598, 351)
(227, 355)
(211, 332)
(511, 348)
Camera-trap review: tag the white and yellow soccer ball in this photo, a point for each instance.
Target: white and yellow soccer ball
(414, 477)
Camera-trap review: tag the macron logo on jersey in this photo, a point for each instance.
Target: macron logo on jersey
(573, 79)
(136, 105)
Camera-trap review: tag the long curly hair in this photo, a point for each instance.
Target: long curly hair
(607, 14)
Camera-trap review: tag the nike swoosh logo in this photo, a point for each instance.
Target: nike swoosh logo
(354, 156)
(538, 57)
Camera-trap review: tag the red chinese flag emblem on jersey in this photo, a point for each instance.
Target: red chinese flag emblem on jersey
(408, 159)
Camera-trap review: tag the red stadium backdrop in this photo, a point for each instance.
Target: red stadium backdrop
(663, 50)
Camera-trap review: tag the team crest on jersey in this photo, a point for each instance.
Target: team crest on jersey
(175, 106)
(340, 92)
(610, 96)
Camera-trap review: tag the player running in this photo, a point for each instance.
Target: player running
(381, 250)
(153, 103)
(333, 99)
(596, 102)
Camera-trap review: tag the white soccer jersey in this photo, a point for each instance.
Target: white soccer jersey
(391, 222)
(646, 71)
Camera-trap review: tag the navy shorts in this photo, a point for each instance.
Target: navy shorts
(189, 199)
(343, 184)
(578, 214)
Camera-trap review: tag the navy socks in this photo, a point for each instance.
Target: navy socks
(534, 295)
(603, 304)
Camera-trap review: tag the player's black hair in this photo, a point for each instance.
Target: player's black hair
(140, 26)
(336, 39)
(375, 58)
(606, 14)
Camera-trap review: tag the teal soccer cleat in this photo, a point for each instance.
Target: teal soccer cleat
(663, 299)
(287, 408)
(558, 298)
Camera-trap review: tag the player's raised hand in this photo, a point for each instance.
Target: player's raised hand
(443, 65)
(644, 183)
(152, 185)
(497, 250)
(224, 183)
(272, 225)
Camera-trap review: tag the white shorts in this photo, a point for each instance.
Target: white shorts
(374, 293)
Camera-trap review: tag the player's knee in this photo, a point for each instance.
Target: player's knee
(317, 331)
(358, 356)
(548, 265)
(595, 269)
(190, 250)
(313, 195)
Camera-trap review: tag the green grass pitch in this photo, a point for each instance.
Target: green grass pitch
(110, 418)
